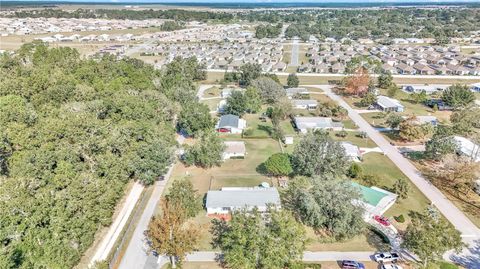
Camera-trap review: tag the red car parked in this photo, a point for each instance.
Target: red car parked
(382, 220)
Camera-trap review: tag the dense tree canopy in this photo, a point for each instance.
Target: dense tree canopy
(279, 165)
(430, 236)
(195, 118)
(325, 204)
(206, 152)
(269, 90)
(268, 30)
(458, 96)
(317, 154)
(252, 241)
(74, 132)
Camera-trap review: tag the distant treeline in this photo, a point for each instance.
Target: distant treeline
(123, 14)
(337, 23)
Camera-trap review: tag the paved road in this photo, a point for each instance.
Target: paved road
(295, 52)
(136, 255)
(470, 232)
(107, 242)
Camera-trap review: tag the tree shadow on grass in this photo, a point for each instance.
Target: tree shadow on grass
(261, 169)
(377, 240)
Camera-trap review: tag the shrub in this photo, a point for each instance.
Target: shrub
(399, 219)
(342, 133)
(354, 171)
(370, 180)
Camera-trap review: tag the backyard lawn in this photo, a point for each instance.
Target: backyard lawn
(212, 92)
(236, 172)
(211, 103)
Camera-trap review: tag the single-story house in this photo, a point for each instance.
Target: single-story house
(467, 148)
(420, 88)
(234, 149)
(291, 92)
(303, 124)
(231, 199)
(288, 140)
(304, 104)
(231, 124)
(352, 151)
(426, 119)
(385, 103)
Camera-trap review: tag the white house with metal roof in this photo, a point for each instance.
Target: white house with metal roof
(231, 199)
(352, 151)
(234, 149)
(230, 124)
(304, 104)
(303, 124)
(467, 148)
(386, 103)
(291, 92)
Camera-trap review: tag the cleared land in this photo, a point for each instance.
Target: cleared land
(13, 42)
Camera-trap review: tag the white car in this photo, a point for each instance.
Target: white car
(386, 257)
(391, 266)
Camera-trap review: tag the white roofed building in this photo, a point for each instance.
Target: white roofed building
(231, 199)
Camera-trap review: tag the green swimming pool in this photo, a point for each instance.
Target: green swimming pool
(370, 195)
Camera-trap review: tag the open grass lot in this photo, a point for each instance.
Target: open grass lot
(287, 53)
(302, 58)
(211, 103)
(237, 172)
(212, 92)
(378, 164)
(354, 138)
(13, 42)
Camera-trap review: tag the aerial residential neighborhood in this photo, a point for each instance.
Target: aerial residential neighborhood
(249, 134)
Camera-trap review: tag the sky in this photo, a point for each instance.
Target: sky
(255, 1)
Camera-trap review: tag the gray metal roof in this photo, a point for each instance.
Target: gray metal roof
(386, 102)
(242, 197)
(304, 102)
(228, 121)
(315, 122)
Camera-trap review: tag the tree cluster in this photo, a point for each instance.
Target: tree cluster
(252, 240)
(74, 132)
(268, 30)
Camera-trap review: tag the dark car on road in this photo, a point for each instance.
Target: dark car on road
(346, 264)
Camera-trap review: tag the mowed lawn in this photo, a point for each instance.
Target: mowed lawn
(380, 165)
(232, 173)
